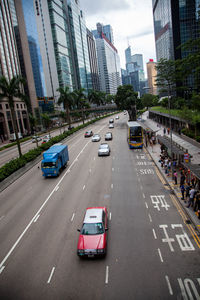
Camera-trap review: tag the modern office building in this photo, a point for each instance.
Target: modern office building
(151, 75)
(134, 71)
(106, 30)
(109, 65)
(10, 67)
(78, 36)
(93, 61)
(175, 22)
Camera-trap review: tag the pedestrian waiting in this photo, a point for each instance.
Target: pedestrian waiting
(192, 193)
(182, 191)
(164, 130)
(175, 177)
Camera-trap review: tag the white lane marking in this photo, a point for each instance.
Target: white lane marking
(150, 218)
(2, 268)
(56, 188)
(83, 187)
(90, 170)
(113, 169)
(159, 252)
(50, 277)
(38, 212)
(146, 205)
(183, 291)
(1, 218)
(154, 234)
(94, 158)
(37, 217)
(110, 216)
(143, 195)
(77, 158)
(169, 285)
(68, 171)
(72, 218)
(112, 186)
(107, 273)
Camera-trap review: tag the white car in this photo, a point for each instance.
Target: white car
(111, 125)
(36, 138)
(117, 117)
(96, 138)
(104, 149)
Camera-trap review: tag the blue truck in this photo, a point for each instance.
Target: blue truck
(54, 159)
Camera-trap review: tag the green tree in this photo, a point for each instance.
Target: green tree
(196, 102)
(67, 99)
(110, 99)
(11, 90)
(126, 98)
(46, 121)
(63, 117)
(81, 101)
(149, 100)
(96, 97)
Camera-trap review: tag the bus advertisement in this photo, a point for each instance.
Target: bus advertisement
(135, 135)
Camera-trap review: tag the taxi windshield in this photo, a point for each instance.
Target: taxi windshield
(92, 228)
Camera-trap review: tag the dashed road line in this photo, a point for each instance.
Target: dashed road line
(112, 186)
(143, 195)
(146, 205)
(169, 285)
(150, 218)
(72, 218)
(83, 187)
(107, 274)
(110, 216)
(51, 275)
(113, 169)
(159, 252)
(154, 234)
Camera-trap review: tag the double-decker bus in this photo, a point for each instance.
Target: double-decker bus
(135, 135)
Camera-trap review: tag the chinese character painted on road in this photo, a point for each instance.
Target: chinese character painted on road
(159, 202)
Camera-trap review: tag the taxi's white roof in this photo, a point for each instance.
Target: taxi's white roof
(93, 215)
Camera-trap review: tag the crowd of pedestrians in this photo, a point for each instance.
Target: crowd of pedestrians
(188, 183)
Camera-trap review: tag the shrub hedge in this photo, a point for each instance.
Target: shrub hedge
(15, 164)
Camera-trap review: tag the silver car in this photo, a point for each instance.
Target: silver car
(111, 125)
(96, 138)
(104, 149)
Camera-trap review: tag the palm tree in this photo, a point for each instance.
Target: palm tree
(66, 98)
(81, 101)
(10, 90)
(96, 97)
(47, 121)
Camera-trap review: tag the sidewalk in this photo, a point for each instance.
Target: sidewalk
(155, 152)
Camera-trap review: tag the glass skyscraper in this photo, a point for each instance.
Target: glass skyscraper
(175, 22)
(79, 44)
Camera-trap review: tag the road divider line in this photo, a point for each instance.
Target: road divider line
(51, 275)
(159, 252)
(83, 187)
(143, 195)
(112, 186)
(107, 274)
(56, 188)
(169, 285)
(146, 205)
(37, 217)
(154, 234)
(72, 218)
(38, 212)
(113, 169)
(110, 216)
(94, 158)
(2, 268)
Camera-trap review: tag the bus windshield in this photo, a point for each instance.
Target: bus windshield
(135, 131)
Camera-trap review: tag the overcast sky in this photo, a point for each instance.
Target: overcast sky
(131, 20)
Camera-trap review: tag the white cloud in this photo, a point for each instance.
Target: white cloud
(131, 20)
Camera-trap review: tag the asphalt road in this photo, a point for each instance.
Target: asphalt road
(152, 252)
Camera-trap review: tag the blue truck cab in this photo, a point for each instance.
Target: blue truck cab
(54, 159)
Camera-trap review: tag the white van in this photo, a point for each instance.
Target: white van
(13, 137)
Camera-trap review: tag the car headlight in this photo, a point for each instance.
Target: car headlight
(81, 251)
(100, 250)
